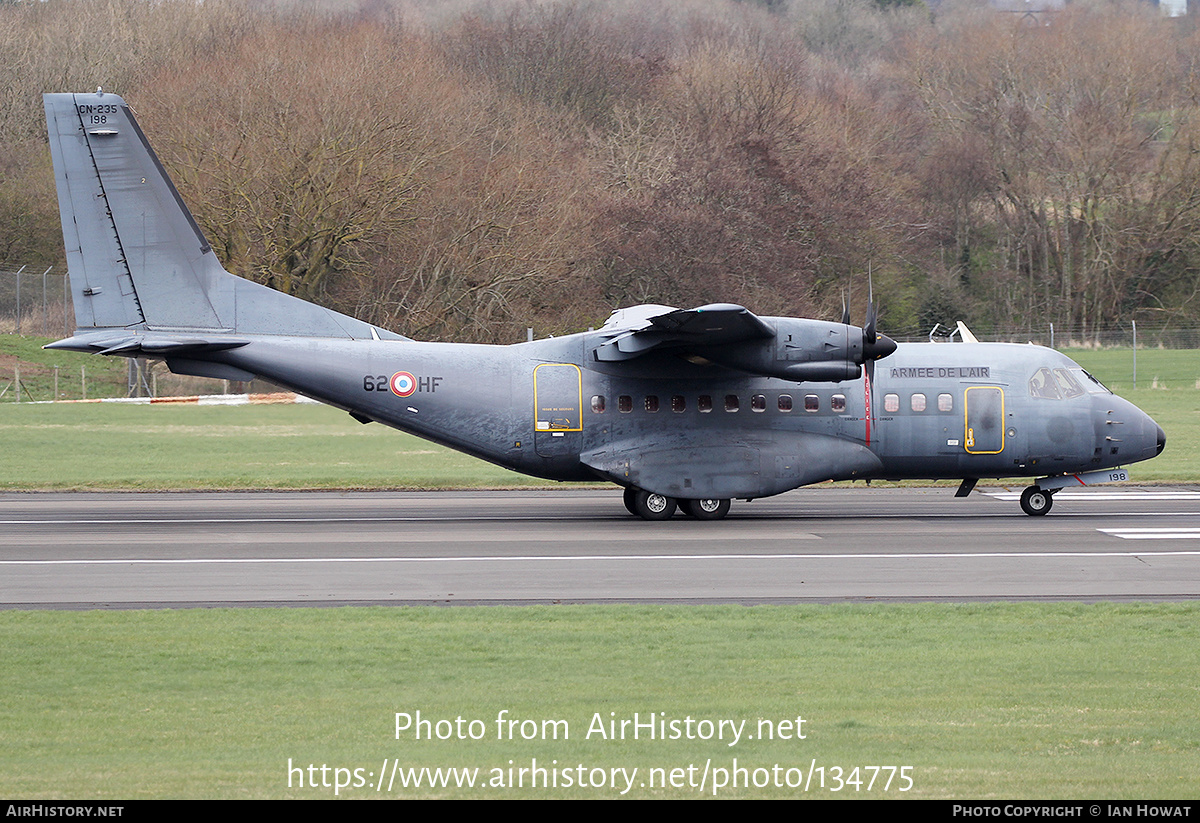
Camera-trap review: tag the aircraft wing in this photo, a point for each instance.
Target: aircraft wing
(718, 324)
(732, 336)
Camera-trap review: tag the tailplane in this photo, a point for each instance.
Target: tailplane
(136, 258)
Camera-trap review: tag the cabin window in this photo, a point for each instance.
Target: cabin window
(732, 403)
(625, 404)
(917, 402)
(785, 402)
(678, 404)
(812, 403)
(597, 404)
(652, 403)
(838, 402)
(758, 403)
(945, 402)
(891, 403)
(704, 403)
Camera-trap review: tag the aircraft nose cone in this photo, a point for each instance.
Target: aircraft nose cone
(882, 347)
(1162, 439)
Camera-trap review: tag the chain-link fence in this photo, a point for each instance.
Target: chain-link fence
(1116, 335)
(36, 301)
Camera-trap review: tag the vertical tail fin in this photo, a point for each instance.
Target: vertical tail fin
(135, 255)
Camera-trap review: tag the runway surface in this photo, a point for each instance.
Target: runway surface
(822, 544)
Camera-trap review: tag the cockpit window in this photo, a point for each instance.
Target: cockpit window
(1063, 384)
(1090, 384)
(1067, 384)
(1043, 384)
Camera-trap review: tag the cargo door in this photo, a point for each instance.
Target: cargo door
(558, 409)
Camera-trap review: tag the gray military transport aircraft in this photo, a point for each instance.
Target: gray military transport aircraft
(683, 408)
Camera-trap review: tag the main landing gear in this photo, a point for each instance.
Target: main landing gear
(651, 506)
(1036, 501)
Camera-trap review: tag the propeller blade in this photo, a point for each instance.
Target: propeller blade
(845, 310)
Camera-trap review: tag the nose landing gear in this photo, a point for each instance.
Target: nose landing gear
(1036, 501)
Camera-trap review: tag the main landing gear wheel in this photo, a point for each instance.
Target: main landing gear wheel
(651, 506)
(628, 497)
(1035, 502)
(708, 509)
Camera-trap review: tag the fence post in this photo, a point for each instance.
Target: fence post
(19, 304)
(1134, 353)
(45, 319)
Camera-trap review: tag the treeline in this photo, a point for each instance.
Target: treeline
(464, 171)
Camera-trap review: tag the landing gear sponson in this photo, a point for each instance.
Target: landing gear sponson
(651, 506)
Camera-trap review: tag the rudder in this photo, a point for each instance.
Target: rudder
(135, 255)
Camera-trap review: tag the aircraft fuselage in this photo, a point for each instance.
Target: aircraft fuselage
(548, 408)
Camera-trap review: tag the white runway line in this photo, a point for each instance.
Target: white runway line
(566, 558)
(1107, 495)
(1164, 533)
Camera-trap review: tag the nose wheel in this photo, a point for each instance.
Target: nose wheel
(1035, 501)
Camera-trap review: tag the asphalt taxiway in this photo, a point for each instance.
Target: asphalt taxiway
(821, 544)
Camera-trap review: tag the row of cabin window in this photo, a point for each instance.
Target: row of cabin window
(917, 403)
(758, 403)
(733, 402)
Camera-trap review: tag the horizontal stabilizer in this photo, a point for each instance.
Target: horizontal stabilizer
(148, 344)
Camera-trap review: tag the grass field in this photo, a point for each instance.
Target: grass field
(114, 446)
(980, 701)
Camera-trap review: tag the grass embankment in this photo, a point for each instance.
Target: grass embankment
(112, 446)
(997, 700)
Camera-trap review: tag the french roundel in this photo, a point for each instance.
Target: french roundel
(403, 384)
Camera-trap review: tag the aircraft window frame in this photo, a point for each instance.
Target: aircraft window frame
(891, 403)
(678, 403)
(1043, 386)
(1068, 386)
(650, 404)
(837, 403)
(733, 403)
(625, 403)
(918, 402)
(704, 403)
(812, 403)
(945, 402)
(784, 404)
(597, 404)
(1092, 385)
(758, 403)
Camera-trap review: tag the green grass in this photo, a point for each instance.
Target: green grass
(115, 446)
(982, 701)
(101, 376)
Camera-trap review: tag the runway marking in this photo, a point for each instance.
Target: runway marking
(1106, 495)
(1163, 533)
(589, 557)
